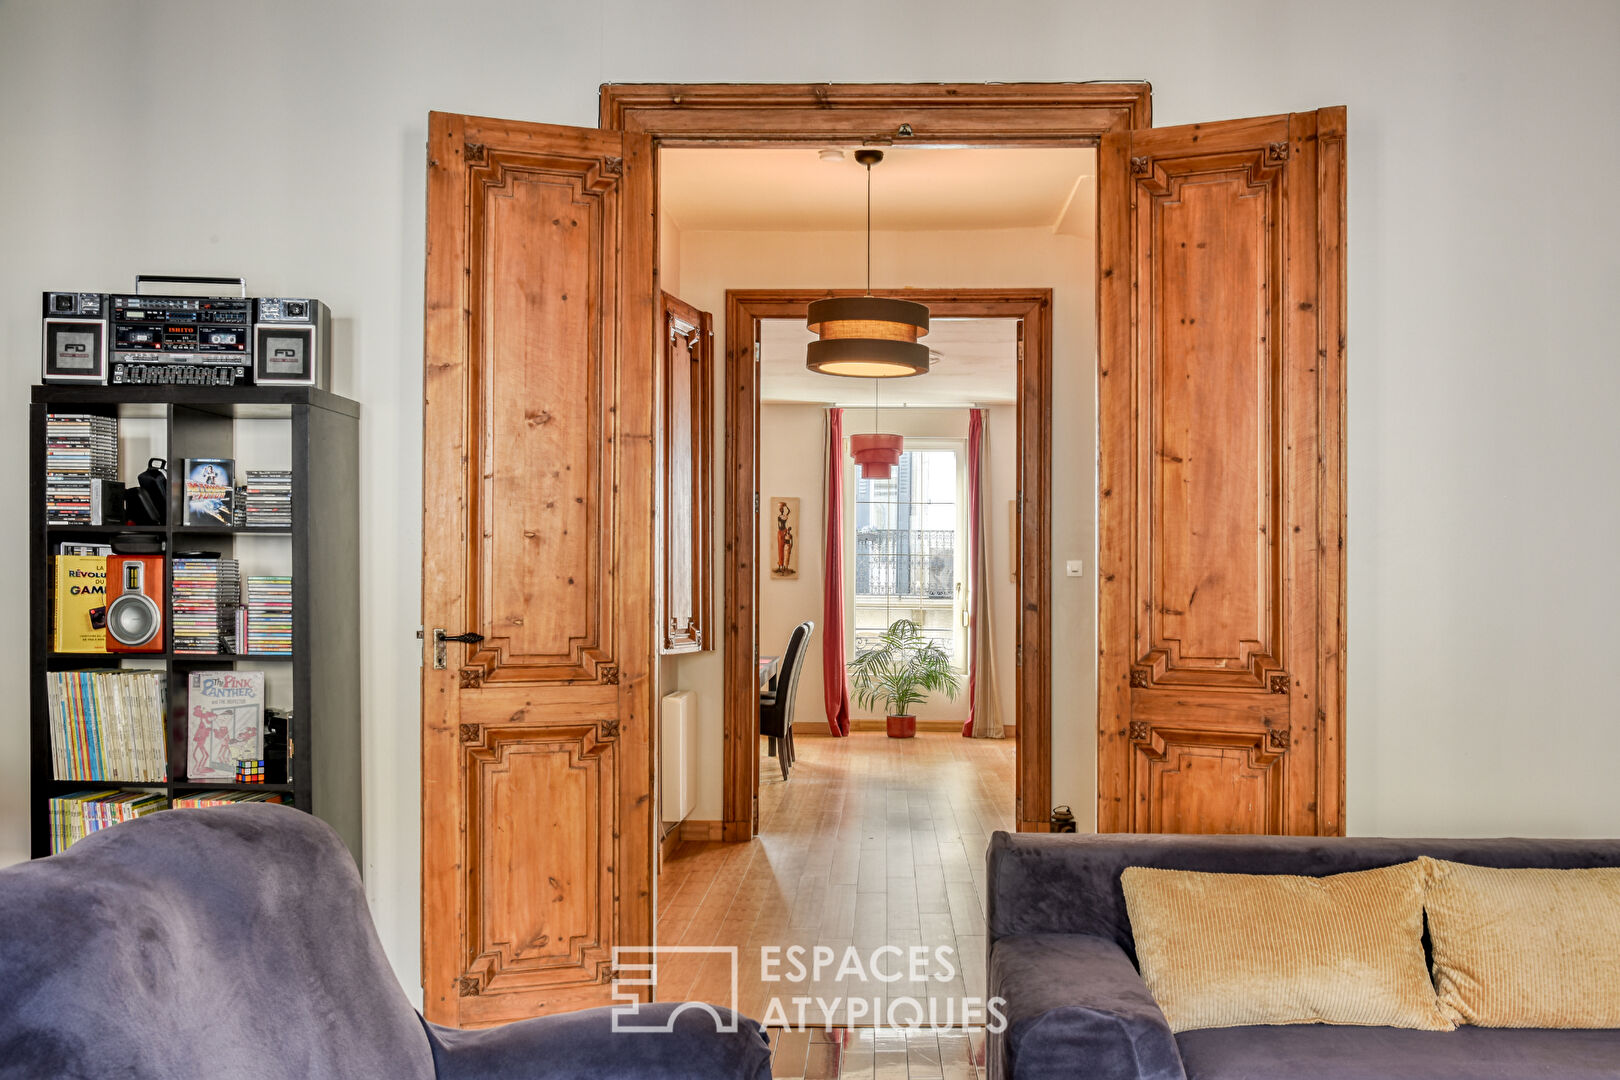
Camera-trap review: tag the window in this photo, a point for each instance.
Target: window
(909, 547)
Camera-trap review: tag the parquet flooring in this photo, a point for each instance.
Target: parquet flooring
(872, 842)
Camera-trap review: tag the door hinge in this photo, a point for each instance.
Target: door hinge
(756, 352)
(1019, 662)
(756, 502)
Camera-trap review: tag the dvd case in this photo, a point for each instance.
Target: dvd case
(210, 491)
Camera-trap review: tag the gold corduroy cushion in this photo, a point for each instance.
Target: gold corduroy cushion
(1227, 950)
(1526, 948)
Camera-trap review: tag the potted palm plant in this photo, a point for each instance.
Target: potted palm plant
(901, 670)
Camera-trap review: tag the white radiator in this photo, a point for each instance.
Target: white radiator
(678, 755)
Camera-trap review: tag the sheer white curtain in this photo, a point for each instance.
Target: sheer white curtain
(984, 703)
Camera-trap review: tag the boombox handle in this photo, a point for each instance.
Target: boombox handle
(183, 279)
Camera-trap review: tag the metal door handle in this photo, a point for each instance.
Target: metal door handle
(441, 639)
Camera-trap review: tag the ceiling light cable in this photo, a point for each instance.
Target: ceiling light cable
(868, 228)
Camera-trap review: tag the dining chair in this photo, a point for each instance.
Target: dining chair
(776, 704)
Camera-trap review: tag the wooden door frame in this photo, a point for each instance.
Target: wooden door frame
(1033, 682)
(819, 114)
(918, 114)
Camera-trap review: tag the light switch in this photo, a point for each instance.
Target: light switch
(1075, 568)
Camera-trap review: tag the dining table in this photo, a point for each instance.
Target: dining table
(768, 668)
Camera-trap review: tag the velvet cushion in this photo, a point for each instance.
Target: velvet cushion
(1220, 950)
(1526, 948)
(1373, 1053)
(1042, 883)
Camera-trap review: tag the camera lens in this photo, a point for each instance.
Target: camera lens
(62, 302)
(296, 309)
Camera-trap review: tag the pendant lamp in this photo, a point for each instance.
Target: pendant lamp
(877, 453)
(868, 337)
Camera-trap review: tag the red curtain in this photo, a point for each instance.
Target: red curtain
(835, 688)
(976, 582)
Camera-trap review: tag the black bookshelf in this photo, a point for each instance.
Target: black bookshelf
(324, 542)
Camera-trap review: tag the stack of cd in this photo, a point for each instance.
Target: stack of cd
(269, 499)
(206, 595)
(81, 464)
(269, 616)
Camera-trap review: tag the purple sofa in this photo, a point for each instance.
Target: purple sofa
(1062, 956)
(236, 942)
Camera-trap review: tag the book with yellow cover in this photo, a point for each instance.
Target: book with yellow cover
(81, 587)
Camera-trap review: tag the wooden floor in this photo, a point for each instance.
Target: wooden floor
(873, 841)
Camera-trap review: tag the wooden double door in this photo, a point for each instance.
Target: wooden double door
(1221, 473)
(1220, 262)
(537, 783)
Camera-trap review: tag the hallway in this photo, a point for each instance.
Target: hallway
(873, 841)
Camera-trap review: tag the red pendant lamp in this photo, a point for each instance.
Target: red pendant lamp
(877, 455)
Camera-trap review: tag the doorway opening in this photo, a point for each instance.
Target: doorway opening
(952, 226)
(868, 840)
(763, 323)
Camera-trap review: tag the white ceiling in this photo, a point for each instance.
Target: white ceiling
(912, 189)
(976, 362)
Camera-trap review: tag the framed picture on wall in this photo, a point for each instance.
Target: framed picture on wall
(784, 544)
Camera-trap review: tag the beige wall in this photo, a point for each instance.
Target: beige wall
(713, 262)
(792, 456)
(1484, 454)
(791, 462)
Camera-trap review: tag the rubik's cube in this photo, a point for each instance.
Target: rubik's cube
(250, 772)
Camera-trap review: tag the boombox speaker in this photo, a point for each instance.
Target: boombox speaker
(134, 603)
(75, 338)
(292, 338)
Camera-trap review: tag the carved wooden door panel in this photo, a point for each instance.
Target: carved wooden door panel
(537, 828)
(685, 499)
(1221, 521)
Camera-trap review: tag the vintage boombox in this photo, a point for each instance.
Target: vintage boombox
(139, 339)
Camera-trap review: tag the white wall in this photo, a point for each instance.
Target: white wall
(712, 262)
(1484, 459)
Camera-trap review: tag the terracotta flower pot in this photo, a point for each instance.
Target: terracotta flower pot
(902, 727)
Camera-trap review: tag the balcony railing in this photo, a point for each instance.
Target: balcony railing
(906, 563)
